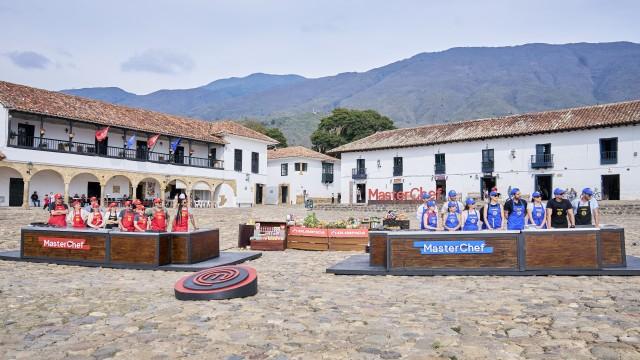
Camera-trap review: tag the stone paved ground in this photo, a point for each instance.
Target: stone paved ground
(51, 311)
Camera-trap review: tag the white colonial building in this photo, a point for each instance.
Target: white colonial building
(50, 146)
(595, 146)
(297, 172)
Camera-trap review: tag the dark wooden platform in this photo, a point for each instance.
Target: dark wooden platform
(359, 265)
(582, 251)
(225, 258)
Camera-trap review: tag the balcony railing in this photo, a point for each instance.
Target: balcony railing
(439, 169)
(487, 166)
(327, 178)
(74, 147)
(358, 173)
(608, 157)
(541, 161)
(397, 170)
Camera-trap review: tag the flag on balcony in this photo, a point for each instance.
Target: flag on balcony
(101, 134)
(152, 141)
(131, 143)
(175, 143)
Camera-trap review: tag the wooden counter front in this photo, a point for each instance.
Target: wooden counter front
(403, 253)
(140, 248)
(561, 249)
(64, 244)
(613, 246)
(195, 246)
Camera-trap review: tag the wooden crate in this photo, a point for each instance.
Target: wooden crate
(268, 245)
(307, 242)
(348, 244)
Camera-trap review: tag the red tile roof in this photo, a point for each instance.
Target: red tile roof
(298, 152)
(233, 128)
(607, 115)
(52, 103)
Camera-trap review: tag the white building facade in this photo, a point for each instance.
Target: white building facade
(296, 173)
(594, 147)
(49, 143)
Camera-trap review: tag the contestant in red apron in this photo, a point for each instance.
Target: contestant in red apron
(183, 216)
(140, 220)
(126, 221)
(58, 212)
(159, 217)
(95, 220)
(77, 216)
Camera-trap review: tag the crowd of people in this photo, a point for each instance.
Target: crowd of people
(515, 213)
(131, 217)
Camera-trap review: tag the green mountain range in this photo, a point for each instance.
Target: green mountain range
(456, 84)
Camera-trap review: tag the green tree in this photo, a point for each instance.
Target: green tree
(345, 125)
(273, 132)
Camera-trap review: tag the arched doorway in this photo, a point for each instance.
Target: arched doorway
(117, 188)
(147, 190)
(47, 182)
(201, 194)
(12, 188)
(174, 188)
(223, 196)
(85, 184)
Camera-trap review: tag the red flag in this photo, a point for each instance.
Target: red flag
(152, 141)
(101, 134)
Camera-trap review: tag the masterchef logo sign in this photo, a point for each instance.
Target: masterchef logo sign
(413, 194)
(62, 243)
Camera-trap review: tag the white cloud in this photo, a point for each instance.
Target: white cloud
(159, 61)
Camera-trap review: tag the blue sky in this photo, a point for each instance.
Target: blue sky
(142, 46)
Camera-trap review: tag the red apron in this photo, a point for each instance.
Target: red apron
(97, 218)
(182, 224)
(127, 220)
(77, 221)
(142, 222)
(159, 221)
(58, 220)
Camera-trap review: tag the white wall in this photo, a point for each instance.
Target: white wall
(47, 182)
(118, 181)
(245, 188)
(311, 180)
(5, 175)
(576, 163)
(78, 184)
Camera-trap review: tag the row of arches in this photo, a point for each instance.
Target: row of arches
(17, 187)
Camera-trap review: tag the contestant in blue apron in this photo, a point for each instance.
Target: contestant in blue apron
(452, 218)
(430, 219)
(422, 209)
(453, 197)
(515, 211)
(493, 212)
(537, 212)
(471, 217)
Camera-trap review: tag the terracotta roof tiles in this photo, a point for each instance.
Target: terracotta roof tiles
(298, 152)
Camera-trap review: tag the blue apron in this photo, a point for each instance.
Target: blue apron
(471, 223)
(424, 210)
(516, 217)
(452, 220)
(537, 214)
(494, 216)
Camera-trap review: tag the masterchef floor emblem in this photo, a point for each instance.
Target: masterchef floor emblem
(224, 282)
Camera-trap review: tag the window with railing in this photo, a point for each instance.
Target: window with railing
(440, 164)
(397, 166)
(327, 173)
(543, 157)
(609, 151)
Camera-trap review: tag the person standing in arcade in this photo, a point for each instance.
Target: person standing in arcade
(141, 220)
(452, 217)
(471, 217)
(111, 216)
(95, 220)
(493, 212)
(126, 221)
(159, 216)
(515, 211)
(77, 216)
(536, 211)
(586, 209)
(560, 211)
(58, 211)
(183, 216)
(453, 196)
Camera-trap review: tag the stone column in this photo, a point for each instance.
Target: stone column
(26, 196)
(66, 192)
(163, 188)
(134, 186)
(102, 195)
